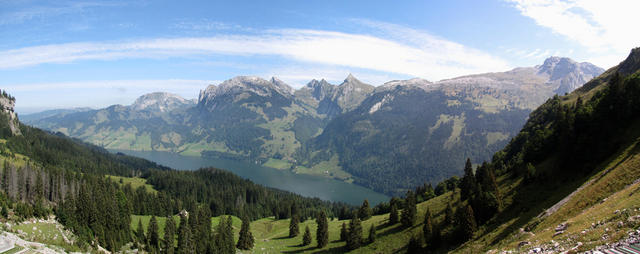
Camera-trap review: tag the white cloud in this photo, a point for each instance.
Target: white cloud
(51, 10)
(415, 53)
(605, 28)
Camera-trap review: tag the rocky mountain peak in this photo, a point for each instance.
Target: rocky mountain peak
(351, 78)
(253, 84)
(565, 75)
(351, 83)
(242, 86)
(320, 89)
(160, 101)
(281, 86)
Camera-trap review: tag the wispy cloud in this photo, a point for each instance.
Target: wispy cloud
(206, 25)
(605, 28)
(422, 55)
(53, 10)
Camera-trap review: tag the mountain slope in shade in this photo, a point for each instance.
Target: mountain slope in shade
(410, 131)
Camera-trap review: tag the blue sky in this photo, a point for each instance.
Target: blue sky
(61, 54)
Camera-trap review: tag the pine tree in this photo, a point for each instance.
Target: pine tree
(169, 235)
(185, 245)
(448, 214)
(306, 238)
(224, 236)
(153, 239)
(427, 228)
(322, 233)
(365, 211)
(39, 189)
(245, 242)
(466, 222)
(393, 215)
(344, 233)
(4, 213)
(294, 229)
(202, 235)
(409, 211)
(468, 184)
(372, 234)
(354, 239)
(140, 233)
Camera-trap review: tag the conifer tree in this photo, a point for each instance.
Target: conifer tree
(354, 239)
(393, 215)
(245, 242)
(140, 233)
(224, 236)
(468, 184)
(294, 229)
(185, 245)
(448, 214)
(169, 235)
(4, 213)
(322, 233)
(409, 211)
(372, 233)
(306, 238)
(427, 228)
(466, 222)
(153, 239)
(344, 233)
(365, 211)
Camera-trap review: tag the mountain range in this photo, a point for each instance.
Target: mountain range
(389, 138)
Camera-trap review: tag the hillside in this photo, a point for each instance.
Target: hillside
(411, 131)
(91, 192)
(569, 181)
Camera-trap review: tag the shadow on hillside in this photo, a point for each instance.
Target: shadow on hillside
(281, 237)
(299, 251)
(340, 249)
(396, 228)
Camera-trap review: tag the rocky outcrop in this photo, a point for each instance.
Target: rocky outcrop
(566, 75)
(243, 85)
(7, 104)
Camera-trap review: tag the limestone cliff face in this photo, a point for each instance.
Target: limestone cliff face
(7, 103)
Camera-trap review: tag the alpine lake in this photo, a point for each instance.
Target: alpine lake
(306, 185)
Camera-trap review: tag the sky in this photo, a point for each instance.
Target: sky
(66, 54)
